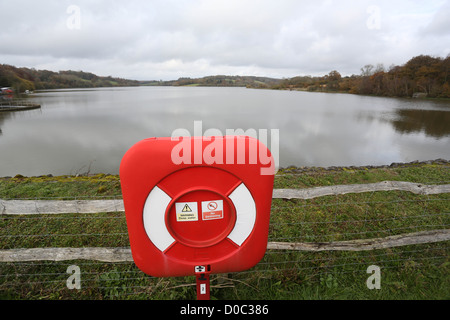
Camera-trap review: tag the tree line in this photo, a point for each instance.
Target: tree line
(218, 81)
(423, 74)
(22, 79)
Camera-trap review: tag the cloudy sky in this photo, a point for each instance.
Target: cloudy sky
(168, 39)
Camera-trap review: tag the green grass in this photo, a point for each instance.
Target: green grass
(63, 187)
(409, 272)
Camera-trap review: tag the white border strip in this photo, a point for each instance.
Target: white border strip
(245, 214)
(154, 219)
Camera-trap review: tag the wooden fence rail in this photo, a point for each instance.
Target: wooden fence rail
(312, 193)
(124, 254)
(21, 207)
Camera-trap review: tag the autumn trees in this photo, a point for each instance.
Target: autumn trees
(17, 78)
(422, 74)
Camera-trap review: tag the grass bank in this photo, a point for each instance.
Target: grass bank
(409, 272)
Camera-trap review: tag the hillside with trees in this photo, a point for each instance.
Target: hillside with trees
(22, 79)
(425, 75)
(219, 81)
(422, 75)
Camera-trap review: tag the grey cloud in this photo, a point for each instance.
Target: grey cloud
(173, 38)
(440, 24)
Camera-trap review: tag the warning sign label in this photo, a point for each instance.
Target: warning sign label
(186, 211)
(212, 210)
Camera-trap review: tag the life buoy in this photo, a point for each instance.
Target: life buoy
(157, 207)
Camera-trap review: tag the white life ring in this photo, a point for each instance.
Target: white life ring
(155, 210)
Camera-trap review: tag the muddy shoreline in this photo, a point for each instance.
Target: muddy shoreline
(293, 169)
(298, 170)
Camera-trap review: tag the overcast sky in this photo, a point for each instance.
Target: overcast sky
(168, 39)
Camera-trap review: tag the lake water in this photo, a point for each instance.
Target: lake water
(77, 131)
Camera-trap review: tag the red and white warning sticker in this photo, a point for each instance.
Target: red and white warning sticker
(212, 210)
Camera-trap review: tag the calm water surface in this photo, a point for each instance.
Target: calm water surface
(77, 131)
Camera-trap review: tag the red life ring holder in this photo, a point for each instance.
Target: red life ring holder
(180, 216)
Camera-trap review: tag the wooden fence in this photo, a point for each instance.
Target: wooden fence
(32, 207)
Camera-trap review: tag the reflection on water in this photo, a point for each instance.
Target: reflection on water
(434, 123)
(79, 129)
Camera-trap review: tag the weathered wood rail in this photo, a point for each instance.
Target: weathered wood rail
(28, 207)
(124, 254)
(21, 207)
(312, 193)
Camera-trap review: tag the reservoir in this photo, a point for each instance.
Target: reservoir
(81, 131)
